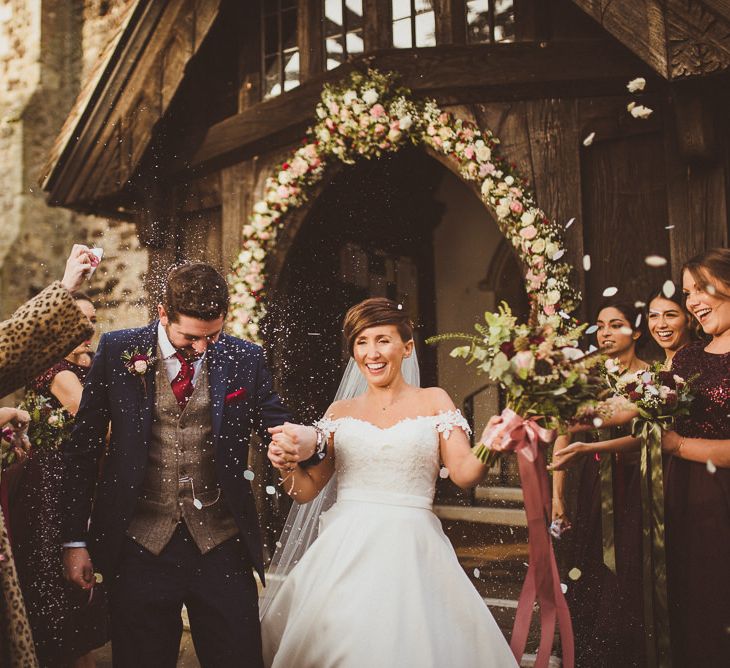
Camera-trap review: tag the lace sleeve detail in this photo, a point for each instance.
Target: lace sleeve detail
(447, 421)
(327, 425)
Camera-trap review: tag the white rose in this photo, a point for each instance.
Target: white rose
(445, 132)
(502, 211)
(140, 366)
(509, 180)
(284, 177)
(259, 254)
(527, 218)
(484, 153)
(553, 296)
(538, 245)
(358, 108)
(487, 187)
(53, 419)
(551, 282)
(405, 122)
(321, 111)
(370, 96)
(551, 249)
(260, 207)
(394, 135)
(324, 134)
(349, 97)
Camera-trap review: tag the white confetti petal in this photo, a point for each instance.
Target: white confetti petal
(279, 544)
(592, 348)
(626, 331)
(587, 262)
(669, 227)
(636, 85)
(476, 573)
(249, 474)
(710, 289)
(589, 139)
(711, 466)
(563, 587)
(597, 422)
(668, 289)
(558, 254)
(270, 489)
(610, 292)
(655, 260)
(639, 304)
(569, 223)
(592, 329)
(637, 322)
(574, 573)
(563, 315)
(444, 473)
(642, 112)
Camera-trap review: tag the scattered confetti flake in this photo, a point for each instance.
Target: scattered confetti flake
(574, 573)
(476, 573)
(279, 544)
(592, 348)
(98, 578)
(400, 307)
(642, 112)
(711, 466)
(639, 304)
(444, 473)
(637, 322)
(711, 289)
(558, 254)
(630, 106)
(668, 289)
(592, 329)
(655, 260)
(569, 223)
(587, 262)
(636, 85)
(669, 227)
(270, 489)
(627, 331)
(198, 504)
(610, 292)
(589, 139)
(314, 333)
(563, 587)
(249, 474)
(597, 422)
(564, 315)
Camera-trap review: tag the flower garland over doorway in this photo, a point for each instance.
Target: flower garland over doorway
(364, 117)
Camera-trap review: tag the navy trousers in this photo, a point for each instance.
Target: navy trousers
(217, 588)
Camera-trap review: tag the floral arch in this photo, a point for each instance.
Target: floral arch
(364, 117)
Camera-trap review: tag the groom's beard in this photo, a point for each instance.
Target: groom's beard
(190, 355)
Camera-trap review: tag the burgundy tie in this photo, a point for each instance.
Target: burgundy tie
(182, 384)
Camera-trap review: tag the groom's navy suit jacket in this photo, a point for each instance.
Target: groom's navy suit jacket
(242, 398)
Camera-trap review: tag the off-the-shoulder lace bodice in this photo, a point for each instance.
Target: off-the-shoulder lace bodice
(401, 459)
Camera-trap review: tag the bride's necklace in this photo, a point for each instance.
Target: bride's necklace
(391, 404)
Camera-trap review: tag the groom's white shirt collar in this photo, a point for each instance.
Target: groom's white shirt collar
(170, 360)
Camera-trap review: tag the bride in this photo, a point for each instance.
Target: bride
(381, 584)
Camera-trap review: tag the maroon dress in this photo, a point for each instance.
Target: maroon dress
(65, 626)
(698, 521)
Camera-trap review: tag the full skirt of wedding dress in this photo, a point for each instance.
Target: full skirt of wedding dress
(381, 586)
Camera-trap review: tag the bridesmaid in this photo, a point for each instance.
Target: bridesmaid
(605, 600)
(697, 482)
(65, 629)
(669, 323)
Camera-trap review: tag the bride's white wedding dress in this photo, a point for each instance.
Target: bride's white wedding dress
(381, 585)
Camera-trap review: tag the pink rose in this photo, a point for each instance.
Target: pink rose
(469, 152)
(378, 111)
(282, 192)
(468, 134)
(529, 232)
(379, 129)
(329, 123)
(516, 207)
(549, 309)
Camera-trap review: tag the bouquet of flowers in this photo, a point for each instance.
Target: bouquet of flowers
(545, 375)
(49, 426)
(8, 448)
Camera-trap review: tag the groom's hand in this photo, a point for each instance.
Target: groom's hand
(77, 567)
(296, 442)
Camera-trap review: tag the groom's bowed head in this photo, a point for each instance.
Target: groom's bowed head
(194, 308)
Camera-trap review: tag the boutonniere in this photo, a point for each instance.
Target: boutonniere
(138, 363)
(238, 395)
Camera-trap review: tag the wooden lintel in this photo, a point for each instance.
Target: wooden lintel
(446, 73)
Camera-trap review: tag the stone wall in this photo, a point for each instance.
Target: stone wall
(47, 49)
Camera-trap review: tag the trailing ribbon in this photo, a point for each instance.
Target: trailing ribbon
(542, 583)
(605, 469)
(656, 615)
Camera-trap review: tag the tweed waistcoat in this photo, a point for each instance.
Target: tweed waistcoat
(180, 475)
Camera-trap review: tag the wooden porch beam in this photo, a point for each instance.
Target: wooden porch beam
(447, 73)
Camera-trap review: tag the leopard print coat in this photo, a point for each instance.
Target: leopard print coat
(38, 334)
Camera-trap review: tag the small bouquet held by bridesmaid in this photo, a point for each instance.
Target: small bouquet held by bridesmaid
(48, 426)
(546, 377)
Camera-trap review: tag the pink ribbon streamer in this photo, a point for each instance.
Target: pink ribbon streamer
(542, 583)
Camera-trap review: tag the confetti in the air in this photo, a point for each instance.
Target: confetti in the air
(589, 139)
(558, 254)
(574, 573)
(563, 587)
(444, 473)
(636, 85)
(641, 112)
(637, 322)
(477, 573)
(710, 289)
(597, 422)
(626, 331)
(711, 466)
(655, 260)
(270, 489)
(669, 227)
(610, 292)
(569, 223)
(639, 304)
(592, 329)
(668, 289)
(249, 474)
(587, 262)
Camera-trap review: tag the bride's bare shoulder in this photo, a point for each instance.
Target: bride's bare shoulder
(341, 408)
(437, 399)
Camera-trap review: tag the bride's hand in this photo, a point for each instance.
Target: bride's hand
(276, 457)
(492, 433)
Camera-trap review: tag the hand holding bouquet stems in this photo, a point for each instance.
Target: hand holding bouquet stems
(48, 426)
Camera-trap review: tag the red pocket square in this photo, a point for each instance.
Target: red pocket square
(238, 395)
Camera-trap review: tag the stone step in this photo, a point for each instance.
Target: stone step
(482, 515)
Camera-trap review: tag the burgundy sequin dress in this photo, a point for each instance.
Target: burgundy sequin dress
(64, 625)
(698, 521)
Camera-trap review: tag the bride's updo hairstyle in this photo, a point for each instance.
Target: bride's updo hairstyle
(374, 312)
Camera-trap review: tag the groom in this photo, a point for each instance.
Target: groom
(173, 517)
